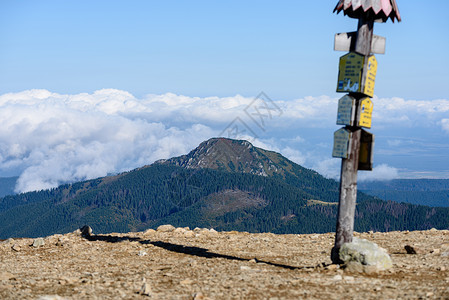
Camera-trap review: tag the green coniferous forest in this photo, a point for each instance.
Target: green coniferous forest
(162, 194)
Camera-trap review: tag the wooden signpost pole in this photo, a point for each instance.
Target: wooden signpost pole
(359, 88)
(349, 166)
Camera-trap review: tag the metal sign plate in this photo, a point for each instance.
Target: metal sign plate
(356, 76)
(369, 76)
(349, 72)
(346, 42)
(346, 108)
(365, 112)
(341, 143)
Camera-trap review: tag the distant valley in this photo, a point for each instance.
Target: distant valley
(430, 192)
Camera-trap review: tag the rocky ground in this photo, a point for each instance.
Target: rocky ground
(205, 264)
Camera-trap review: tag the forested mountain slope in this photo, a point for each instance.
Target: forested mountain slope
(242, 188)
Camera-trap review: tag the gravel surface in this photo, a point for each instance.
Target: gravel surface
(204, 264)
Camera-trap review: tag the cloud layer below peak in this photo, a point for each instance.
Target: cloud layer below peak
(49, 138)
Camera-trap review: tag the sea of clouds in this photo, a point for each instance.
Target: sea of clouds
(48, 139)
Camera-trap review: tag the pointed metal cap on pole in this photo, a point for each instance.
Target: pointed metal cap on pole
(379, 10)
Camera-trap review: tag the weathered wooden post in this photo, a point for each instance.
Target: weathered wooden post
(357, 74)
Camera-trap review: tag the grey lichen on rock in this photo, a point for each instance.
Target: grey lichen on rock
(364, 256)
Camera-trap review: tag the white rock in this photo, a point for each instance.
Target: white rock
(166, 228)
(337, 277)
(38, 242)
(189, 234)
(365, 253)
(149, 231)
(145, 289)
(51, 297)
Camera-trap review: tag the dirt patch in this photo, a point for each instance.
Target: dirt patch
(204, 264)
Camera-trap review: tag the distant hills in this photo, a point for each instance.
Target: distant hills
(7, 185)
(225, 184)
(430, 192)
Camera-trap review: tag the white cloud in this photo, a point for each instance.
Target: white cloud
(49, 138)
(294, 155)
(328, 167)
(445, 125)
(52, 139)
(381, 172)
(408, 113)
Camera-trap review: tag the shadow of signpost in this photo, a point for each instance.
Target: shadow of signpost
(188, 250)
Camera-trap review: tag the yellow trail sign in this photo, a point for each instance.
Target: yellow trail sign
(365, 112)
(357, 75)
(369, 77)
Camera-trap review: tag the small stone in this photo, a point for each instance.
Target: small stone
(197, 230)
(5, 276)
(435, 251)
(433, 230)
(354, 267)
(204, 231)
(337, 277)
(198, 296)
(77, 232)
(213, 230)
(38, 242)
(145, 289)
(61, 242)
(149, 232)
(186, 281)
(142, 253)
(349, 279)
(180, 230)
(166, 228)
(16, 247)
(51, 297)
(189, 234)
(445, 254)
(86, 231)
(412, 249)
(253, 261)
(10, 240)
(332, 267)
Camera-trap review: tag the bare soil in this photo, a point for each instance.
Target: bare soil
(204, 264)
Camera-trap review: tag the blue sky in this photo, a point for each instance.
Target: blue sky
(181, 56)
(205, 48)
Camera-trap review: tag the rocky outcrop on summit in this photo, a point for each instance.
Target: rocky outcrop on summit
(232, 156)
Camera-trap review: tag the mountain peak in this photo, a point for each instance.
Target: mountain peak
(232, 156)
